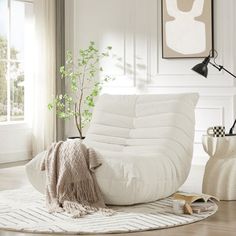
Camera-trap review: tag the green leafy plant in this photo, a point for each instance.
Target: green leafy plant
(83, 85)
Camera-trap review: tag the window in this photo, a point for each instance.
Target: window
(16, 37)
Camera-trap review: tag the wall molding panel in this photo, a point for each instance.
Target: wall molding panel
(133, 29)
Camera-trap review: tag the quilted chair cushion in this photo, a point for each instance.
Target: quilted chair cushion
(145, 143)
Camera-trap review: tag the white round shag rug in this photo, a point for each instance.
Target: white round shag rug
(23, 210)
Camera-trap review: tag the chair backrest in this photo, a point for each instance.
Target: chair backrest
(144, 123)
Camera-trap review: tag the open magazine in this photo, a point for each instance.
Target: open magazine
(193, 197)
(197, 202)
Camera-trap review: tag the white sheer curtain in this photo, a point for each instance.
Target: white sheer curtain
(44, 82)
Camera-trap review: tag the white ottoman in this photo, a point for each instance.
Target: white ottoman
(220, 171)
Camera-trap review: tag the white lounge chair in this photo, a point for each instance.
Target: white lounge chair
(145, 143)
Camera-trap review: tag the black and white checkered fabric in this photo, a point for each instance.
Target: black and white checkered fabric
(219, 131)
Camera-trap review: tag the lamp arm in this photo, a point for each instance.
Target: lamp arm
(228, 72)
(216, 66)
(232, 128)
(219, 67)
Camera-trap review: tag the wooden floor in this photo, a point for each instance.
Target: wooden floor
(222, 223)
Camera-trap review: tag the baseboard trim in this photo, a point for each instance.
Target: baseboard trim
(13, 164)
(10, 157)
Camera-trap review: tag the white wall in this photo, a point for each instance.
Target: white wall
(133, 29)
(15, 142)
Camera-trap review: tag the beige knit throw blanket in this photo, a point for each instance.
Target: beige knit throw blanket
(71, 185)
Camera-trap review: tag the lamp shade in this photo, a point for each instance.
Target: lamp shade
(201, 68)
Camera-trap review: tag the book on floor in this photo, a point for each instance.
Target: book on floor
(197, 202)
(193, 197)
(198, 207)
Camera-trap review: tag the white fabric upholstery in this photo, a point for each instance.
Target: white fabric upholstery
(145, 144)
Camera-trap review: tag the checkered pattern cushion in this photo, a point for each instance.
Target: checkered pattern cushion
(219, 131)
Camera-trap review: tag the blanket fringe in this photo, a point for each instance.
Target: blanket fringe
(75, 209)
(54, 207)
(78, 210)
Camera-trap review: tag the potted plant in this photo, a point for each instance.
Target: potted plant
(83, 86)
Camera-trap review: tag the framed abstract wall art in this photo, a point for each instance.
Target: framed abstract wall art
(187, 28)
